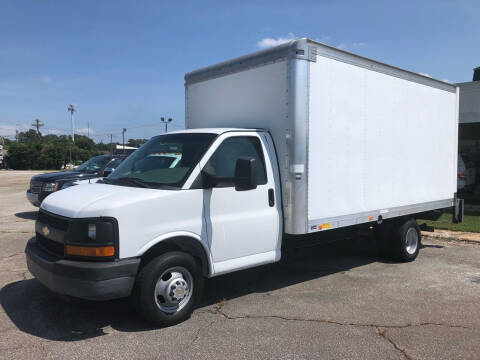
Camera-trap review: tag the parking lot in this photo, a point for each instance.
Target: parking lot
(330, 302)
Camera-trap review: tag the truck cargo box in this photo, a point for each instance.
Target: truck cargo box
(357, 140)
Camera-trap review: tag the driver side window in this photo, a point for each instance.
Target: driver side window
(223, 161)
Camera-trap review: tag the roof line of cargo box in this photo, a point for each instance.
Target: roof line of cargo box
(300, 49)
(217, 131)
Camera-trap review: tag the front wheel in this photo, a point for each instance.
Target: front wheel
(167, 288)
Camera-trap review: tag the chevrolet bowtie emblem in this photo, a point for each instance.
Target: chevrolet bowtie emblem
(45, 231)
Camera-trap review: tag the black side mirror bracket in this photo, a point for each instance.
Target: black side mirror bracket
(245, 174)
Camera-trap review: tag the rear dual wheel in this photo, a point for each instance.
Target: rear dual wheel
(399, 240)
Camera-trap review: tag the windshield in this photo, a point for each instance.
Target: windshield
(163, 160)
(114, 163)
(94, 164)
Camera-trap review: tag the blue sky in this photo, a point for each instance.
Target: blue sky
(122, 62)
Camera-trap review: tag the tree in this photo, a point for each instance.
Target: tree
(136, 142)
(52, 156)
(20, 156)
(32, 151)
(29, 136)
(84, 142)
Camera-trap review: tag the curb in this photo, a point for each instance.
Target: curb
(447, 235)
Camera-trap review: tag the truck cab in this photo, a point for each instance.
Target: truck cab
(155, 230)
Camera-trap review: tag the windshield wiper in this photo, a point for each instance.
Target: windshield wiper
(132, 181)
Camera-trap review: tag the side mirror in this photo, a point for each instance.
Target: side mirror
(245, 174)
(107, 172)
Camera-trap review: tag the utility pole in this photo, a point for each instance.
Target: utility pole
(71, 108)
(123, 139)
(38, 124)
(88, 128)
(16, 134)
(169, 120)
(111, 144)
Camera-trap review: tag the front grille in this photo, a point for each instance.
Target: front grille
(54, 221)
(35, 187)
(50, 245)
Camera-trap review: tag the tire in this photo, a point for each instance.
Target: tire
(405, 241)
(167, 289)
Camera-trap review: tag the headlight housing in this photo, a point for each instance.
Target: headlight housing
(94, 238)
(50, 187)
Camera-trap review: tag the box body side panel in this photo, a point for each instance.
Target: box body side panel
(252, 98)
(376, 141)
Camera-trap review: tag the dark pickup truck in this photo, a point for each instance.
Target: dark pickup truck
(97, 167)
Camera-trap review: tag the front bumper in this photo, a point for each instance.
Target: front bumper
(83, 279)
(33, 198)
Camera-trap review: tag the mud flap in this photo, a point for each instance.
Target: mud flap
(457, 210)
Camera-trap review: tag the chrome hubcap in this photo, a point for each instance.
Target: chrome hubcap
(173, 289)
(411, 241)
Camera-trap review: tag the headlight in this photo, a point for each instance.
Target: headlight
(50, 187)
(92, 238)
(92, 231)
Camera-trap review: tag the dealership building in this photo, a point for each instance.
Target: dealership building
(469, 127)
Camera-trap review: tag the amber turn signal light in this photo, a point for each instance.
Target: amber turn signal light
(91, 251)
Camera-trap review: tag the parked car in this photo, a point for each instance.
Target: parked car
(299, 139)
(465, 174)
(90, 171)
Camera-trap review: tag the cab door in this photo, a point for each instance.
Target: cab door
(243, 226)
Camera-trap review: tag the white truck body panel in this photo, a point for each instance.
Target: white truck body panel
(209, 103)
(376, 141)
(356, 139)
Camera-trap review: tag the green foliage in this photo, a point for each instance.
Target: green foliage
(471, 221)
(20, 155)
(29, 136)
(50, 152)
(136, 142)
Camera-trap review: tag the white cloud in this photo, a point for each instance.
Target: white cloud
(341, 46)
(358, 44)
(323, 39)
(46, 80)
(447, 81)
(52, 131)
(85, 131)
(269, 42)
(9, 130)
(425, 74)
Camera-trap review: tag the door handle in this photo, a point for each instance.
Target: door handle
(271, 197)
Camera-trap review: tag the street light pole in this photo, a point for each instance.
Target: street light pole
(169, 120)
(123, 139)
(71, 108)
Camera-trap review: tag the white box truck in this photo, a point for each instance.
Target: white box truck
(301, 138)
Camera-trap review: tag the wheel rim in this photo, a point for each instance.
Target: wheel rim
(411, 241)
(173, 289)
